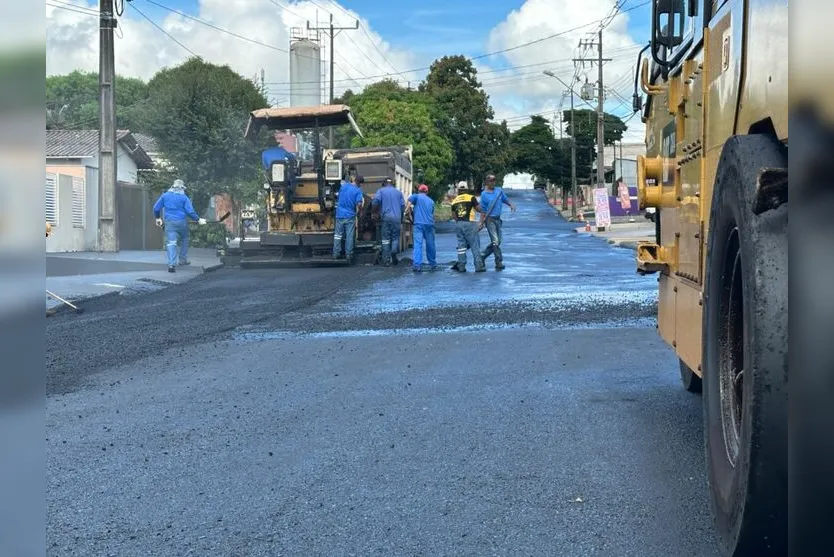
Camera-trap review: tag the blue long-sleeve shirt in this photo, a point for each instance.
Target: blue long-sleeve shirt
(423, 208)
(177, 206)
(488, 196)
(276, 153)
(350, 196)
(392, 203)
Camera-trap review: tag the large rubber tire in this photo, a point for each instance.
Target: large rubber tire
(745, 326)
(690, 380)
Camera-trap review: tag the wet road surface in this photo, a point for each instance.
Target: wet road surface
(372, 411)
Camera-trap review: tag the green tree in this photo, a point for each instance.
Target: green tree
(389, 114)
(72, 101)
(463, 114)
(586, 137)
(537, 151)
(197, 112)
(494, 146)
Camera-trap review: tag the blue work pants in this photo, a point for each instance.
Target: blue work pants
(390, 239)
(493, 226)
(176, 231)
(345, 230)
(467, 234)
(424, 233)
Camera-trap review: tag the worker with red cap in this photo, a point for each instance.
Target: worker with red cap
(422, 207)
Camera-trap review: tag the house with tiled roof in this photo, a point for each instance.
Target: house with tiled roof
(72, 196)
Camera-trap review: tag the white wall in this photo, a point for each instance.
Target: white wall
(65, 235)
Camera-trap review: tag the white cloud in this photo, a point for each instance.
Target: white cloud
(527, 90)
(141, 49)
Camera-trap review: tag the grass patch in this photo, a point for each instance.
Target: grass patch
(442, 212)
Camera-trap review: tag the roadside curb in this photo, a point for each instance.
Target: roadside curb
(625, 244)
(61, 307)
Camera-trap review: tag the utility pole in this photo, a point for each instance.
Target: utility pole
(108, 239)
(572, 141)
(573, 158)
(600, 121)
(332, 31)
(600, 101)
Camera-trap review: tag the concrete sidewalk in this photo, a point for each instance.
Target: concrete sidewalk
(79, 276)
(624, 234)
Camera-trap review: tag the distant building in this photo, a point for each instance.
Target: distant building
(72, 195)
(518, 181)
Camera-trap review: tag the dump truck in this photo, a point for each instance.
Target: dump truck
(715, 80)
(301, 191)
(375, 164)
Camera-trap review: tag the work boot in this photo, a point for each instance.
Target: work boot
(185, 262)
(458, 268)
(499, 266)
(480, 270)
(172, 269)
(394, 259)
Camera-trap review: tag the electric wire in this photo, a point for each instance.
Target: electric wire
(169, 35)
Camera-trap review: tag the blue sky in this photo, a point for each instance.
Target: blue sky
(396, 36)
(429, 27)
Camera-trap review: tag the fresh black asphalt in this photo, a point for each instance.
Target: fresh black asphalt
(371, 411)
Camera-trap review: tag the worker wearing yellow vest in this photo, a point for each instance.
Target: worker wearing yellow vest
(464, 208)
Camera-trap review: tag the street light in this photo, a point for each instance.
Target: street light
(572, 143)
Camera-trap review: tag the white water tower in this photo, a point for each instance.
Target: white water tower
(305, 69)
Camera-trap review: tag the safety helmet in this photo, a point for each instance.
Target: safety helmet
(463, 186)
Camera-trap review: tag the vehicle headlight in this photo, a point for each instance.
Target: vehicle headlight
(278, 172)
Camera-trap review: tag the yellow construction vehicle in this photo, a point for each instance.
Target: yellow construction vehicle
(715, 81)
(301, 191)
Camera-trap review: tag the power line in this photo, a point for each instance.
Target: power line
(170, 36)
(288, 9)
(565, 32)
(216, 28)
(348, 36)
(347, 13)
(67, 8)
(553, 36)
(621, 50)
(231, 33)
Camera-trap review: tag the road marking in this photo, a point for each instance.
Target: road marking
(109, 285)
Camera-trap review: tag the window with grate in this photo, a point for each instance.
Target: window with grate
(52, 199)
(79, 203)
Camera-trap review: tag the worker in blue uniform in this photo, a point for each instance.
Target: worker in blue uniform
(276, 152)
(176, 207)
(492, 201)
(348, 205)
(391, 204)
(422, 207)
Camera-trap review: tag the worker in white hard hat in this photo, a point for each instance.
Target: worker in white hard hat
(177, 207)
(464, 207)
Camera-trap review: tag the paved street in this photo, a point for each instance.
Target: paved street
(372, 411)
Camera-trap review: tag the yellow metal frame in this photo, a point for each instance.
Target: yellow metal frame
(721, 89)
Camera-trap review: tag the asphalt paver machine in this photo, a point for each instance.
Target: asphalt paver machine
(300, 193)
